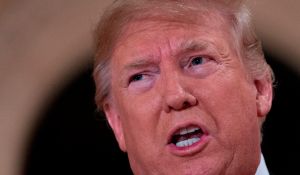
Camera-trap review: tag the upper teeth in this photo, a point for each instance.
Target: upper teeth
(188, 130)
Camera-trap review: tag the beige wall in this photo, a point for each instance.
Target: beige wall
(43, 43)
(278, 24)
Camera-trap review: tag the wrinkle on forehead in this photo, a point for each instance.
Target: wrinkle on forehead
(154, 19)
(185, 41)
(144, 30)
(175, 48)
(153, 25)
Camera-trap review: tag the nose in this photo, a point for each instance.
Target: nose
(176, 95)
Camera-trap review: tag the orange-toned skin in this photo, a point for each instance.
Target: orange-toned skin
(157, 85)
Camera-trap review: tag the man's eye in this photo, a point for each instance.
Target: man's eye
(136, 77)
(197, 60)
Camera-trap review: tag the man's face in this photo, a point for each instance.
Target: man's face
(182, 101)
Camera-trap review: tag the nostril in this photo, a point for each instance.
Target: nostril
(180, 103)
(186, 104)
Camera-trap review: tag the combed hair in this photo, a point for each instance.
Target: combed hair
(122, 12)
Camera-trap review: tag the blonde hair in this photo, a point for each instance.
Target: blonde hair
(122, 12)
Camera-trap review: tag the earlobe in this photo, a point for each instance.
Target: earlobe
(264, 96)
(115, 123)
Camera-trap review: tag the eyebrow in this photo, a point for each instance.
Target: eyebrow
(140, 63)
(183, 47)
(193, 45)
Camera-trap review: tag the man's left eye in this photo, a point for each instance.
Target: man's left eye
(197, 60)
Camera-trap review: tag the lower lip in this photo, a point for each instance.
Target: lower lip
(189, 150)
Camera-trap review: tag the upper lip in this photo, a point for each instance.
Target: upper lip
(175, 130)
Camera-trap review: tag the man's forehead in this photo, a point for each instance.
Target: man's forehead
(177, 34)
(146, 27)
(142, 59)
(135, 58)
(141, 38)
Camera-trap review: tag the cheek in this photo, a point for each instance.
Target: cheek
(232, 105)
(143, 109)
(138, 116)
(139, 121)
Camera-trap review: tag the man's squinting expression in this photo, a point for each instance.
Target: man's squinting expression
(182, 101)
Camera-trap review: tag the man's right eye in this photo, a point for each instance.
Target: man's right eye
(141, 81)
(136, 77)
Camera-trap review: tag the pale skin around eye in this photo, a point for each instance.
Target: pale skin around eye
(198, 66)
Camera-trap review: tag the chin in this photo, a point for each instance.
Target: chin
(217, 163)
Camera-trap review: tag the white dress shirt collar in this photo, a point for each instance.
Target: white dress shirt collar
(262, 168)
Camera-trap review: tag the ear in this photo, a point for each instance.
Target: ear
(264, 95)
(115, 123)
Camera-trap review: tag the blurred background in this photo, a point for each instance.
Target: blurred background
(48, 119)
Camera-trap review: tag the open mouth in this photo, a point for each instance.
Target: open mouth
(186, 137)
